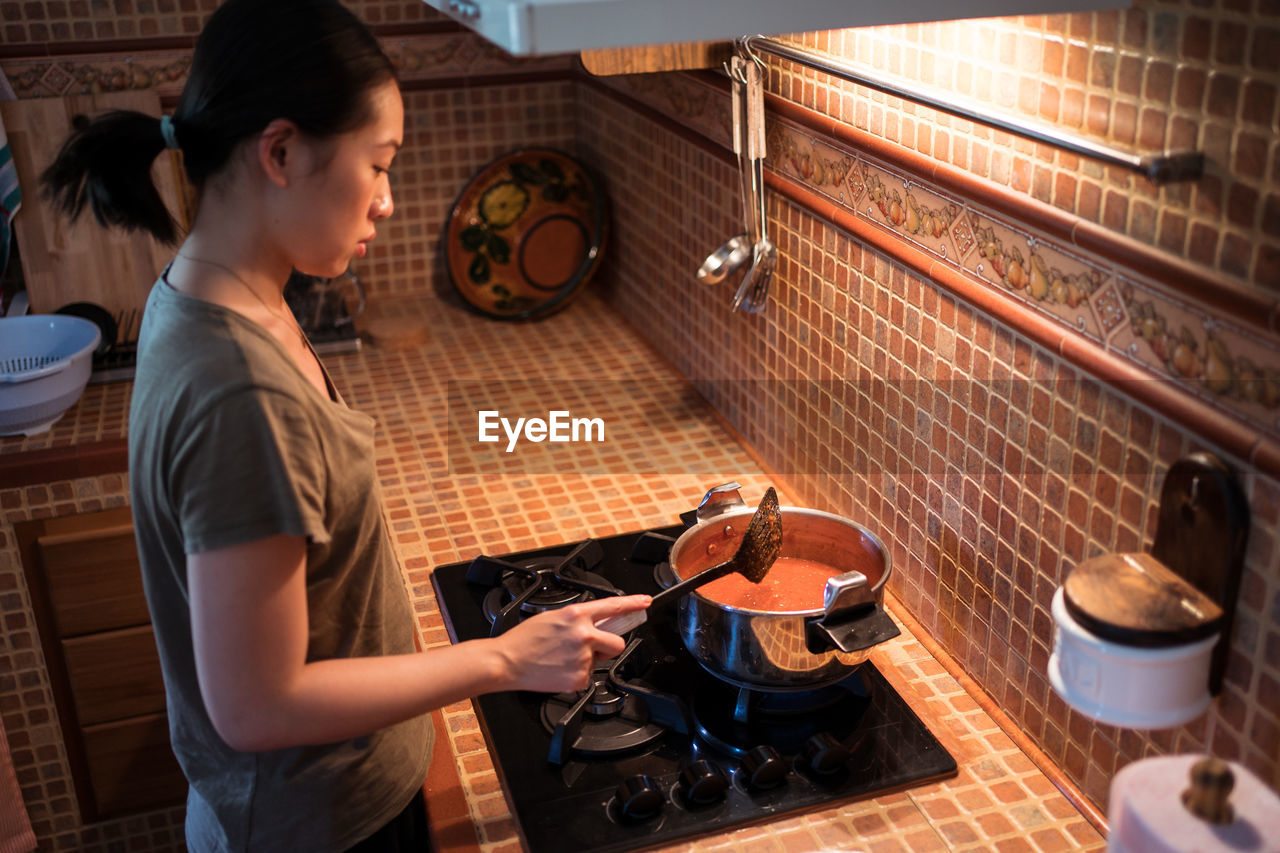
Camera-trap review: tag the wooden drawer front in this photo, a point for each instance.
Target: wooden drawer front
(131, 768)
(114, 675)
(94, 580)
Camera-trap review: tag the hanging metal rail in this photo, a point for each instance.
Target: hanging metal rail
(1166, 167)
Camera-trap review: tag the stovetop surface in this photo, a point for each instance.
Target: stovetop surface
(571, 802)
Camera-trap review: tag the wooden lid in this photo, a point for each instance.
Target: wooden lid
(1135, 600)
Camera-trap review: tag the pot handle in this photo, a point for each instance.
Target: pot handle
(845, 593)
(871, 626)
(719, 500)
(852, 620)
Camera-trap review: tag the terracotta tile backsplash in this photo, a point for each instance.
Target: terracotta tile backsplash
(990, 465)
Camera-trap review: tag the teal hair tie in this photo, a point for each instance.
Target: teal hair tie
(167, 131)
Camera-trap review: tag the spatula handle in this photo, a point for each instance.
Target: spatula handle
(625, 622)
(677, 591)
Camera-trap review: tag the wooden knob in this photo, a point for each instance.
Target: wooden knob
(1208, 796)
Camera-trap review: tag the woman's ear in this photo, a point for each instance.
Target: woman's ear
(278, 151)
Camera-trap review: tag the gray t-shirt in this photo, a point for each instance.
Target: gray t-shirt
(229, 443)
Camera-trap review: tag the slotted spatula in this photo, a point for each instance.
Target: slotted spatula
(761, 544)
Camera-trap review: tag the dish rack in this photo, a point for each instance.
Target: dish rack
(116, 361)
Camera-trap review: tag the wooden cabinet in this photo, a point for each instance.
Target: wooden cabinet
(114, 675)
(645, 59)
(86, 589)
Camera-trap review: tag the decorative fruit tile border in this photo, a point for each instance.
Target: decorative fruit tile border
(91, 74)
(1227, 365)
(1115, 308)
(418, 57)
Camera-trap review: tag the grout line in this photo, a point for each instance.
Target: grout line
(942, 839)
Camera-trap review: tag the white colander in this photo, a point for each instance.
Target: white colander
(45, 361)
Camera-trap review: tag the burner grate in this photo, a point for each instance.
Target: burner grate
(538, 583)
(613, 715)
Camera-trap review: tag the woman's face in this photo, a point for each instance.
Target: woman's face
(337, 206)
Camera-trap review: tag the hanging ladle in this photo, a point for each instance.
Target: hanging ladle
(761, 544)
(740, 249)
(753, 293)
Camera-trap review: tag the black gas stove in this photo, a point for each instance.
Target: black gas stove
(658, 749)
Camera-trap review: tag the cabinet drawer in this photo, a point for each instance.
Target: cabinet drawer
(114, 675)
(131, 768)
(94, 580)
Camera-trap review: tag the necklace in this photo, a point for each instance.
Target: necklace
(289, 321)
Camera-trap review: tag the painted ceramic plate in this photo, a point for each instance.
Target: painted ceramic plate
(526, 234)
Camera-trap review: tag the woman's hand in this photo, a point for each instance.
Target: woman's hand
(556, 651)
(249, 627)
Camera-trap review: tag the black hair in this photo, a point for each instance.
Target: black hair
(310, 61)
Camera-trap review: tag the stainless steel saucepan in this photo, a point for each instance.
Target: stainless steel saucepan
(781, 651)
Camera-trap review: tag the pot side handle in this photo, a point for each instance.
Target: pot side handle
(719, 500)
(851, 620)
(860, 629)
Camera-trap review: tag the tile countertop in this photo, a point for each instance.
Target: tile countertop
(429, 368)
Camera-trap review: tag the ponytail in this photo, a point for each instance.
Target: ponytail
(106, 164)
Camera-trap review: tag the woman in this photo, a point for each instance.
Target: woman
(296, 701)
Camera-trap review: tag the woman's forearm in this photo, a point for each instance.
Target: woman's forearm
(334, 700)
(250, 635)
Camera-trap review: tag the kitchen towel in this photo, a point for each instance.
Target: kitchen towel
(16, 835)
(10, 192)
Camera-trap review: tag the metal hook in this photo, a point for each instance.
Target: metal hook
(733, 70)
(744, 48)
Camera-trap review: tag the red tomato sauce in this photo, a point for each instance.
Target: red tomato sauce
(793, 583)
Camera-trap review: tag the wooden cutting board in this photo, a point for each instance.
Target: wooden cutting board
(662, 57)
(84, 262)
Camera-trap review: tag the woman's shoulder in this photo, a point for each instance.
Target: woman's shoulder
(182, 335)
(193, 353)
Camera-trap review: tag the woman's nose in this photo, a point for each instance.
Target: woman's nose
(383, 205)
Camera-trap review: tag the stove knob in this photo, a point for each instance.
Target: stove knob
(764, 768)
(702, 782)
(824, 754)
(639, 797)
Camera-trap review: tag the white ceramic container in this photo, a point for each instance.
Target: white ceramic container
(1128, 686)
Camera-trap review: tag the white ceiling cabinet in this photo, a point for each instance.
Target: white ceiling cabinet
(538, 27)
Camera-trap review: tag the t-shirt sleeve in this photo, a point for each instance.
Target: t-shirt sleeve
(249, 467)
